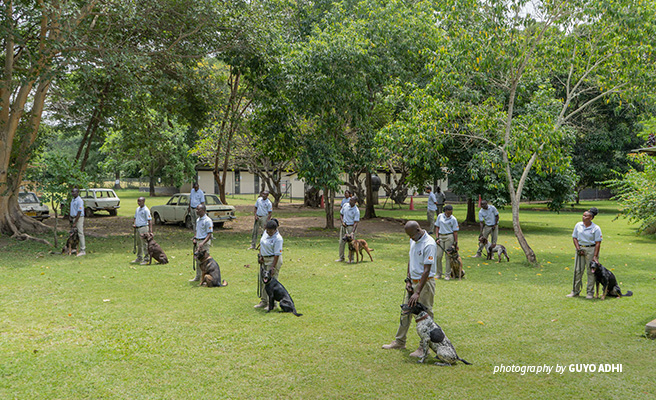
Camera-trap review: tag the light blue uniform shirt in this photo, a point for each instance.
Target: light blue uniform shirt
(204, 226)
(142, 216)
(264, 207)
(587, 235)
(344, 201)
(271, 245)
(431, 202)
(422, 252)
(350, 215)
(489, 215)
(77, 205)
(196, 197)
(446, 224)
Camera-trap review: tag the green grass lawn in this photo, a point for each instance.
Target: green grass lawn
(98, 327)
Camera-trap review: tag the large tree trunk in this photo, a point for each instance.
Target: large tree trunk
(521, 239)
(15, 223)
(471, 211)
(370, 211)
(329, 199)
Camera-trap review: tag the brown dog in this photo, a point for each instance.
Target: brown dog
(456, 263)
(72, 242)
(210, 272)
(154, 250)
(356, 246)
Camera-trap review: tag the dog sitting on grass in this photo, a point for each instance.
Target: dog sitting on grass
(155, 251)
(432, 336)
(607, 279)
(72, 243)
(210, 275)
(277, 292)
(455, 262)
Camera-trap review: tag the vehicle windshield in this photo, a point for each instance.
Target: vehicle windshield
(173, 201)
(26, 198)
(212, 200)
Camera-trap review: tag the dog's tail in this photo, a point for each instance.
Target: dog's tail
(628, 293)
(295, 313)
(464, 361)
(224, 283)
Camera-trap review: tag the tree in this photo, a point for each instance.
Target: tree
(56, 175)
(636, 193)
(493, 82)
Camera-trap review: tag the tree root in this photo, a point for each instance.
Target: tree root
(23, 236)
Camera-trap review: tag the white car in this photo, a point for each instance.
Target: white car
(176, 210)
(100, 199)
(32, 207)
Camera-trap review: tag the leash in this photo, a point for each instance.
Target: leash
(134, 248)
(193, 257)
(259, 277)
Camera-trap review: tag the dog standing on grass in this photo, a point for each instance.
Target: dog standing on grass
(492, 248)
(356, 246)
(607, 279)
(432, 336)
(155, 251)
(72, 242)
(210, 272)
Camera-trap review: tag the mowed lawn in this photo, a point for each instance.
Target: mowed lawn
(97, 327)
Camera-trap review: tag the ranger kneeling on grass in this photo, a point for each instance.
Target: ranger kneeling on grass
(203, 238)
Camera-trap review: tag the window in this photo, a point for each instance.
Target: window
(25, 198)
(211, 200)
(184, 201)
(173, 201)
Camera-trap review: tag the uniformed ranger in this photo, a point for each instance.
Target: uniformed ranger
(143, 223)
(262, 213)
(349, 216)
(203, 237)
(420, 281)
(196, 197)
(77, 219)
(446, 235)
(488, 218)
(270, 256)
(432, 207)
(587, 242)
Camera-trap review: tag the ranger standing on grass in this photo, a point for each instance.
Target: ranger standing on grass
(349, 216)
(419, 281)
(432, 207)
(143, 223)
(587, 242)
(203, 237)
(488, 217)
(196, 197)
(262, 214)
(77, 218)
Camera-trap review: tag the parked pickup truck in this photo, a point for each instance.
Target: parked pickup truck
(176, 211)
(100, 199)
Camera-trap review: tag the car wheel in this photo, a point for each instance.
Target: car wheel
(219, 224)
(158, 220)
(113, 212)
(88, 212)
(188, 223)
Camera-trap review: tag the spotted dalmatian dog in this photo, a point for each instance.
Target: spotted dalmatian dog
(432, 336)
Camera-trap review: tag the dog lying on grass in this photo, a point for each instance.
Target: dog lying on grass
(456, 263)
(210, 273)
(356, 246)
(72, 242)
(155, 251)
(607, 279)
(277, 292)
(492, 248)
(432, 336)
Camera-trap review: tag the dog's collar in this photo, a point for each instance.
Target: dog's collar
(421, 318)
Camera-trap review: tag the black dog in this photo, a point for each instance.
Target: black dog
(277, 292)
(210, 271)
(72, 242)
(155, 251)
(432, 336)
(607, 279)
